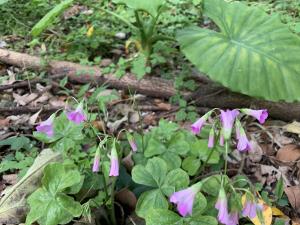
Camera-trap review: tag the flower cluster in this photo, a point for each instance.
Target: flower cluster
(227, 119)
(223, 127)
(185, 200)
(250, 209)
(76, 116)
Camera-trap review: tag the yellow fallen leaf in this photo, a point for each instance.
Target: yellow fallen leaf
(293, 127)
(90, 31)
(278, 212)
(266, 213)
(135, 42)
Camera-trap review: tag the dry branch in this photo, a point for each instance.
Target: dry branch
(208, 95)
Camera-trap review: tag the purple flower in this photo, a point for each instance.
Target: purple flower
(211, 138)
(233, 218)
(249, 209)
(227, 118)
(77, 116)
(197, 126)
(185, 199)
(260, 115)
(243, 143)
(221, 205)
(46, 126)
(114, 162)
(96, 161)
(131, 142)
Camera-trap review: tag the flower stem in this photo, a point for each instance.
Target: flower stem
(226, 162)
(112, 200)
(204, 164)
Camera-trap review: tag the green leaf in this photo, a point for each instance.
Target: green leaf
(153, 174)
(52, 210)
(178, 144)
(213, 184)
(200, 205)
(154, 147)
(139, 66)
(13, 203)
(57, 178)
(152, 7)
(49, 18)
(279, 189)
(48, 204)
(191, 165)
(16, 143)
(3, 2)
(254, 53)
(200, 149)
(176, 180)
(153, 199)
(162, 217)
(173, 160)
(202, 220)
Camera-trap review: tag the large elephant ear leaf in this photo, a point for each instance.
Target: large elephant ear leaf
(254, 53)
(150, 6)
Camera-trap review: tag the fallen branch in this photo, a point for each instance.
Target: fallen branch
(19, 110)
(209, 95)
(26, 83)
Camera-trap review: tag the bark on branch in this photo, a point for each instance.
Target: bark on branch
(209, 95)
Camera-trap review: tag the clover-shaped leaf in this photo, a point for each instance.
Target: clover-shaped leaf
(49, 205)
(155, 174)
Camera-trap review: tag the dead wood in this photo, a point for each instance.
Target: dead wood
(209, 95)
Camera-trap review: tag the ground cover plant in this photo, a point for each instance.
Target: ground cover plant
(149, 112)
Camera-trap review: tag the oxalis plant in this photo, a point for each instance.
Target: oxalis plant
(171, 162)
(169, 174)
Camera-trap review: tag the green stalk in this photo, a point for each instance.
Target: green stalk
(112, 200)
(226, 153)
(204, 164)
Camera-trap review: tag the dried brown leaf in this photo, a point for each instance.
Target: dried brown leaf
(293, 194)
(288, 153)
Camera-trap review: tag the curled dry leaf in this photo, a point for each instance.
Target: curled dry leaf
(293, 194)
(13, 205)
(24, 99)
(255, 155)
(293, 127)
(164, 106)
(33, 118)
(288, 154)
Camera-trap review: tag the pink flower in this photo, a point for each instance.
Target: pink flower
(243, 143)
(185, 199)
(114, 162)
(211, 138)
(77, 116)
(227, 118)
(96, 161)
(233, 218)
(249, 209)
(221, 205)
(197, 126)
(260, 115)
(46, 126)
(131, 142)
